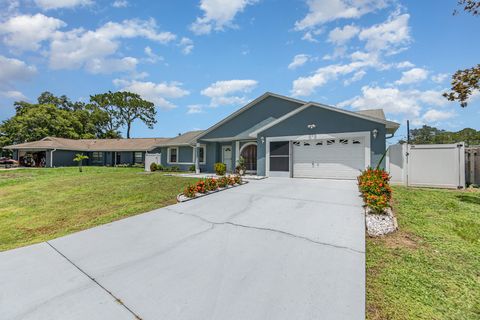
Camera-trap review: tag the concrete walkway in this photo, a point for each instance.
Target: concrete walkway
(271, 249)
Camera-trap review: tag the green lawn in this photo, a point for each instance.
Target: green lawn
(430, 269)
(41, 204)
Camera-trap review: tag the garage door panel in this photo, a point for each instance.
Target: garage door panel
(333, 158)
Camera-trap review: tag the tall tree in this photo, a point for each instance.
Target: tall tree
(432, 135)
(465, 82)
(53, 116)
(124, 108)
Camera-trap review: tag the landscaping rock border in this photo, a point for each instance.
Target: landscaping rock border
(182, 198)
(380, 224)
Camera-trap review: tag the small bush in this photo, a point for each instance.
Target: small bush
(190, 191)
(153, 166)
(231, 180)
(238, 179)
(375, 188)
(201, 186)
(222, 182)
(191, 168)
(220, 168)
(211, 184)
(160, 167)
(175, 168)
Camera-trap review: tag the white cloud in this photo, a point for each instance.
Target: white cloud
(305, 86)
(298, 61)
(356, 77)
(229, 92)
(412, 76)
(13, 95)
(433, 115)
(58, 4)
(404, 65)
(187, 45)
(310, 35)
(440, 77)
(158, 93)
(195, 108)
(12, 70)
(218, 14)
(26, 32)
(390, 36)
(152, 57)
(396, 101)
(120, 4)
(86, 48)
(340, 36)
(322, 11)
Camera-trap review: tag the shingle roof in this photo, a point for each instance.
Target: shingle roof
(136, 144)
(374, 113)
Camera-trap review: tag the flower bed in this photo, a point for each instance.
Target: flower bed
(209, 185)
(377, 194)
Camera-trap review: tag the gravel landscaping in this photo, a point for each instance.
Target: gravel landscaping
(380, 224)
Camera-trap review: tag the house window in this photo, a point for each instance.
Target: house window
(330, 142)
(172, 155)
(97, 157)
(201, 154)
(343, 141)
(138, 157)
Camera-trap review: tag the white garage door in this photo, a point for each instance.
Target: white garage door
(329, 158)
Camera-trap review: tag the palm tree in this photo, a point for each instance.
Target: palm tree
(79, 158)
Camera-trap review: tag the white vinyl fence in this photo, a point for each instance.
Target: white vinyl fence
(428, 165)
(152, 158)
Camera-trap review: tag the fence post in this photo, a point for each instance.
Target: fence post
(471, 158)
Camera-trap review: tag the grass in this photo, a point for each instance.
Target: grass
(430, 268)
(42, 204)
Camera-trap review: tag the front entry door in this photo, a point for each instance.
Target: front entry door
(227, 157)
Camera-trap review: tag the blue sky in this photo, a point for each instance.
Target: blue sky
(198, 61)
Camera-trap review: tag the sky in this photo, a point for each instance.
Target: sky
(201, 60)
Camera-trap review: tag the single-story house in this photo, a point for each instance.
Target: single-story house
(276, 135)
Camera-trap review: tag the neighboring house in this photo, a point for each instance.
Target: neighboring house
(276, 135)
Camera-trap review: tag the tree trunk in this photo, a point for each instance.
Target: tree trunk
(128, 129)
(80, 166)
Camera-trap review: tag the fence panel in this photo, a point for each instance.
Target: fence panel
(152, 158)
(428, 165)
(472, 165)
(436, 165)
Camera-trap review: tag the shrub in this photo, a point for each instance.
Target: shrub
(220, 168)
(375, 189)
(153, 166)
(201, 186)
(190, 191)
(238, 179)
(222, 182)
(211, 184)
(191, 168)
(160, 167)
(231, 180)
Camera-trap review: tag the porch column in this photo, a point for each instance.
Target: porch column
(237, 152)
(197, 156)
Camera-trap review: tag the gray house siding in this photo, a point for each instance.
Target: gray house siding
(326, 121)
(62, 158)
(270, 107)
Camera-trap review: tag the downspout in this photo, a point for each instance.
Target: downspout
(51, 157)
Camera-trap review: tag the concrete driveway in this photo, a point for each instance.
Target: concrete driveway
(271, 249)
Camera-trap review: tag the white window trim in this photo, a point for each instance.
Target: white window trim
(364, 134)
(168, 155)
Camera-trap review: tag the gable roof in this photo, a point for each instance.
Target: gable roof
(248, 106)
(375, 115)
(135, 144)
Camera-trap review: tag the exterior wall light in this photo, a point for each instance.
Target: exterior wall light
(311, 126)
(375, 133)
(262, 139)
